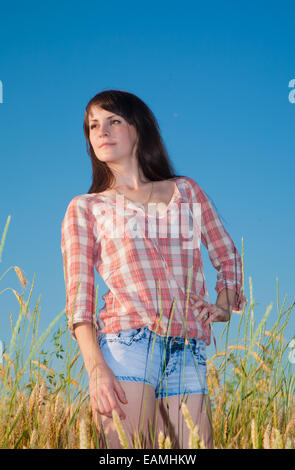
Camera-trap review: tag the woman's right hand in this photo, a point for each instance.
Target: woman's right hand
(104, 391)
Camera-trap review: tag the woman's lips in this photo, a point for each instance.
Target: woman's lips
(104, 145)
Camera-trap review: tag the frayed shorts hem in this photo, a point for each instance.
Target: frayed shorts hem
(160, 395)
(173, 394)
(124, 378)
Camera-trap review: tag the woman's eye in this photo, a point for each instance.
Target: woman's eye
(94, 125)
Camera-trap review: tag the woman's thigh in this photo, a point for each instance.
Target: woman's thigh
(136, 364)
(185, 380)
(139, 422)
(170, 419)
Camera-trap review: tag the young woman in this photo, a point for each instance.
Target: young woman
(145, 354)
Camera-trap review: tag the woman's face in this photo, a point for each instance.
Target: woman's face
(108, 127)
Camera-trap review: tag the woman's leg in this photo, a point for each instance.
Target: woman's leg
(139, 413)
(171, 421)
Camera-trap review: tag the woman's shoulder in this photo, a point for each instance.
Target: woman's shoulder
(193, 188)
(180, 178)
(84, 201)
(188, 181)
(185, 178)
(87, 198)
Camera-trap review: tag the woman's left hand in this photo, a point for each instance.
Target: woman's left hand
(210, 312)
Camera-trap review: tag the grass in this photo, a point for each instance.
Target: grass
(251, 386)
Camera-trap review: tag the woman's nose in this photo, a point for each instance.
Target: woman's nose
(103, 130)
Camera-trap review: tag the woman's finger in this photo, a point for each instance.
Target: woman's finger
(201, 301)
(195, 295)
(101, 403)
(197, 304)
(105, 408)
(115, 405)
(106, 403)
(120, 392)
(203, 315)
(204, 311)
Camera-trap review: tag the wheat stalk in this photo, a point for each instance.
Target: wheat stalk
(120, 430)
(42, 366)
(72, 436)
(33, 439)
(278, 338)
(254, 434)
(278, 442)
(288, 443)
(46, 416)
(161, 440)
(32, 399)
(225, 429)
(235, 438)
(289, 426)
(20, 300)
(21, 276)
(187, 417)
(42, 395)
(57, 405)
(83, 434)
(272, 437)
(167, 443)
(261, 362)
(194, 437)
(275, 417)
(266, 437)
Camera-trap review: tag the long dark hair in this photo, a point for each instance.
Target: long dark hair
(152, 155)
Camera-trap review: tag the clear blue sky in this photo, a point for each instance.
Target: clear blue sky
(216, 77)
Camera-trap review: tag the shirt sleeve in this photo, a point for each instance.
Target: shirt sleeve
(78, 248)
(221, 249)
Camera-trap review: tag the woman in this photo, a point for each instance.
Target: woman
(146, 352)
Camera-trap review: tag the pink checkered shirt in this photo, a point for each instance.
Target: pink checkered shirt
(151, 266)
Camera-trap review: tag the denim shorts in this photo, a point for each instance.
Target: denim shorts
(171, 365)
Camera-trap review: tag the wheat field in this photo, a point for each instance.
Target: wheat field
(250, 382)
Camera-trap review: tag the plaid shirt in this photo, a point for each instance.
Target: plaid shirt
(149, 271)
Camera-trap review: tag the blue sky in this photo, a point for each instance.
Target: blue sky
(216, 77)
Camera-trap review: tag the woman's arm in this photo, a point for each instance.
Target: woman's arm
(87, 339)
(226, 299)
(222, 252)
(79, 250)
(104, 389)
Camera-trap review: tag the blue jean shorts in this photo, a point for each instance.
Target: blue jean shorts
(170, 365)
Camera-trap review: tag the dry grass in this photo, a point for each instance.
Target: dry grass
(251, 391)
(43, 420)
